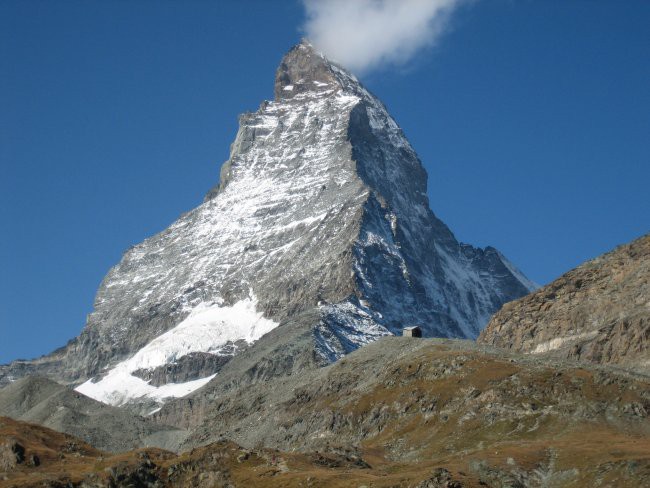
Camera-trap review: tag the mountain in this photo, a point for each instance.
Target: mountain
(598, 312)
(421, 413)
(317, 239)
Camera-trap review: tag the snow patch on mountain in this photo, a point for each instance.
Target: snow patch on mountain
(558, 342)
(207, 328)
(119, 387)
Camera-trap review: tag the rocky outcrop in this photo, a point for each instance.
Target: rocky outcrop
(598, 312)
(189, 367)
(11, 454)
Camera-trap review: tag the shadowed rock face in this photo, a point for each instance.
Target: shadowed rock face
(321, 219)
(598, 312)
(189, 367)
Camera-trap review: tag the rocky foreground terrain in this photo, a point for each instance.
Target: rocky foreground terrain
(400, 412)
(597, 312)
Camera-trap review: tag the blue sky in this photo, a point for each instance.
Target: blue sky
(531, 117)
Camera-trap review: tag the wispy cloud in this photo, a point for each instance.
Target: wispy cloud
(363, 35)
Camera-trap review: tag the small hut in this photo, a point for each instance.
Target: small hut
(413, 331)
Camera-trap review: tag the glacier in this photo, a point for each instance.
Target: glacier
(206, 329)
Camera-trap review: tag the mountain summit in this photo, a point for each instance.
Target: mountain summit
(317, 239)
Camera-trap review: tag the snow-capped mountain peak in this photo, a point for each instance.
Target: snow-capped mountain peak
(320, 219)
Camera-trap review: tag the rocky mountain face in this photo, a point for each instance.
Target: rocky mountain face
(318, 238)
(598, 312)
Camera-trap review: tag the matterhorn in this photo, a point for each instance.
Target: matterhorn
(317, 239)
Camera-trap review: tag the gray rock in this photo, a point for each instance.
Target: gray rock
(598, 312)
(12, 453)
(189, 367)
(47, 403)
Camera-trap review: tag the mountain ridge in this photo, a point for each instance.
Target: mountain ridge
(597, 312)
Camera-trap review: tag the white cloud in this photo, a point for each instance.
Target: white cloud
(366, 34)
